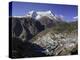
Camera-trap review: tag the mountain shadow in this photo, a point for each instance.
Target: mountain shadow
(26, 49)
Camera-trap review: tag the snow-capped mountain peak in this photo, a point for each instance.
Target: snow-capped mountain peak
(49, 14)
(29, 14)
(38, 14)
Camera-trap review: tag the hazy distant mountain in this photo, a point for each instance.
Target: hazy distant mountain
(32, 23)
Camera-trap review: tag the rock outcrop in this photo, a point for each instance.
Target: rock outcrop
(57, 43)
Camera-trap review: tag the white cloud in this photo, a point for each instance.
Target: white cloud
(76, 17)
(61, 16)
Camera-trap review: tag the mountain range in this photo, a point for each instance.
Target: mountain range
(42, 33)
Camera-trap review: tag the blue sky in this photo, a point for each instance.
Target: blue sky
(67, 11)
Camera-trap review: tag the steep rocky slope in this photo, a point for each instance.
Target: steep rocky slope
(56, 43)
